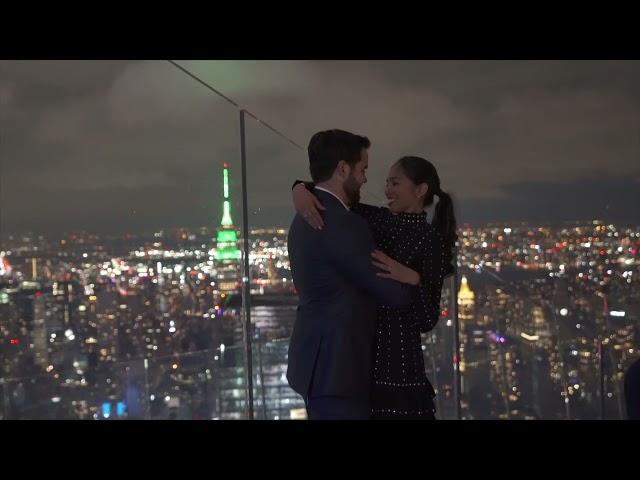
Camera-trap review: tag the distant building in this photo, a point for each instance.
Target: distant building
(227, 255)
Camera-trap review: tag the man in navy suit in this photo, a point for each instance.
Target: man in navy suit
(331, 347)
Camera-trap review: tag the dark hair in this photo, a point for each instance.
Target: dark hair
(327, 148)
(420, 170)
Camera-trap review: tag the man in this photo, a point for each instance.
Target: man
(331, 348)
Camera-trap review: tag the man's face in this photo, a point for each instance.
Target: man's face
(357, 177)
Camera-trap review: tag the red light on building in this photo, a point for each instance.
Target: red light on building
(602, 253)
(14, 341)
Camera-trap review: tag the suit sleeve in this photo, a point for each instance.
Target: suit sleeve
(348, 247)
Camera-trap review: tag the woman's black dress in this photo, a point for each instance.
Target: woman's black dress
(400, 388)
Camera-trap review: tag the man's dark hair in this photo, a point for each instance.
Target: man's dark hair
(327, 148)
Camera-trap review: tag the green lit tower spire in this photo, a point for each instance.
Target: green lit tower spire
(227, 239)
(226, 216)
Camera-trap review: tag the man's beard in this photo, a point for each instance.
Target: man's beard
(352, 190)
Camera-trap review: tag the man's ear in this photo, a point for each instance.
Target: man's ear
(343, 169)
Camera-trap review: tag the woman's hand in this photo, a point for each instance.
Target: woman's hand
(308, 206)
(394, 269)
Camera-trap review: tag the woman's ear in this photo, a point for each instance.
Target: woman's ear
(423, 188)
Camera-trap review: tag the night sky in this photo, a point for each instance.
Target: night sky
(135, 146)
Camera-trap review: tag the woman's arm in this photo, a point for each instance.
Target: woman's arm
(433, 269)
(307, 204)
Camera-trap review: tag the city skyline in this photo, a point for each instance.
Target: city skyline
(89, 311)
(109, 146)
(151, 326)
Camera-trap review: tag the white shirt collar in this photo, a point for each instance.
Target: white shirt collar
(329, 191)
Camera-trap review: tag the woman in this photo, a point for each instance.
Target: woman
(410, 247)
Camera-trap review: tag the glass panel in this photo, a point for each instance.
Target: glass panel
(115, 239)
(273, 164)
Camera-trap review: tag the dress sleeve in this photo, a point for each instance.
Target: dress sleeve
(432, 268)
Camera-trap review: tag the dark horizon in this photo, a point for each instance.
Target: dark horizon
(116, 235)
(124, 145)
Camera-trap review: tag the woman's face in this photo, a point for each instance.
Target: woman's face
(402, 194)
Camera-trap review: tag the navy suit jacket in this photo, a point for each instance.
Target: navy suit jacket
(331, 346)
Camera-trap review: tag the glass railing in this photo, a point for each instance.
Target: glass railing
(112, 268)
(273, 296)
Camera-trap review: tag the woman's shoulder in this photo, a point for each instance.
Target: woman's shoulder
(427, 232)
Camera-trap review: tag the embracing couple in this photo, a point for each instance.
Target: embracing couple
(369, 280)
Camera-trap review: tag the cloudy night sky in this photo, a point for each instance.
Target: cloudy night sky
(113, 146)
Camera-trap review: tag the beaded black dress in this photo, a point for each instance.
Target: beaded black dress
(400, 388)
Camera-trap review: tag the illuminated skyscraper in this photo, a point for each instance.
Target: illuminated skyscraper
(227, 254)
(466, 300)
(5, 268)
